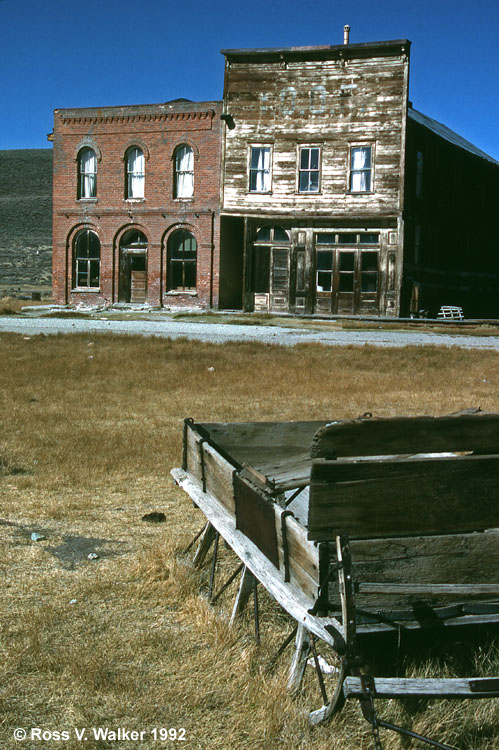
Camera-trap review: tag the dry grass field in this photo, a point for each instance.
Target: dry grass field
(90, 427)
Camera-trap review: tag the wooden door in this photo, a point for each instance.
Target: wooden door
(346, 281)
(279, 283)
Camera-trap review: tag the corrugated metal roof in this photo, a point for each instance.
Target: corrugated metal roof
(444, 132)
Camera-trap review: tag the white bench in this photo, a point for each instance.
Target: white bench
(451, 312)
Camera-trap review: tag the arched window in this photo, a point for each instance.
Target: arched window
(184, 172)
(182, 259)
(273, 234)
(87, 173)
(135, 173)
(86, 260)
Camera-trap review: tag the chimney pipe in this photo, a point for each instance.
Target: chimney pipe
(346, 34)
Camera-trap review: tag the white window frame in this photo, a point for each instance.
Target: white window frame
(87, 173)
(135, 176)
(260, 175)
(359, 172)
(309, 170)
(84, 263)
(184, 171)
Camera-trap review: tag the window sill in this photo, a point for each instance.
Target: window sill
(181, 292)
(361, 192)
(259, 192)
(134, 200)
(310, 193)
(180, 199)
(87, 200)
(86, 289)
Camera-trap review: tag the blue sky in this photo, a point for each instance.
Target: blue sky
(60, 53)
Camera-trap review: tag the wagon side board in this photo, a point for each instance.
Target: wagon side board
(474, 432)
(289, 595)
(269, 540)
(373, 498)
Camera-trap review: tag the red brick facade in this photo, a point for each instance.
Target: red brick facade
(155, 248)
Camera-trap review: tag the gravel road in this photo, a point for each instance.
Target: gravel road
(222, 332)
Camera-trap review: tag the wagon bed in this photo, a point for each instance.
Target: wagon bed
(358, 526)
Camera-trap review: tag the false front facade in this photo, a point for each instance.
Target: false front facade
(326, 205)
(314, 150)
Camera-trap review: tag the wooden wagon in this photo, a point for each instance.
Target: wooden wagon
(358, 527)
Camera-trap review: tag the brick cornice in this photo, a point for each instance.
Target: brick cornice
(151, 117)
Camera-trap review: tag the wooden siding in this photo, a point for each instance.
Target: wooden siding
(332, 104)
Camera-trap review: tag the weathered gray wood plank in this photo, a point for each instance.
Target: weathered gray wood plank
(299, 660)
(371, 437)
(289, 596)
(432, 590)
(417, 496)
(395, 687)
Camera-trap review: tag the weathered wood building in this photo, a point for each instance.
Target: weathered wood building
(338, 198)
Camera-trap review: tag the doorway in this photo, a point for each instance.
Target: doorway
(346, 281)
(270, 270)
(133, 268)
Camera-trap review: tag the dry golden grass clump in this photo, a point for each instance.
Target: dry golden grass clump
(90, 429)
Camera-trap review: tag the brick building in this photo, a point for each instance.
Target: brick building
(313, 188)
(136, 204)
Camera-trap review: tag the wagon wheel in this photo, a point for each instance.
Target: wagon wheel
(330, 672)
(336, 698)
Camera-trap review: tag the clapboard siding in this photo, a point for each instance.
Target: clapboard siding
(328, 102)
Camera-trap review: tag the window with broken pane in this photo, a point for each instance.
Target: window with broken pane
(325, 260)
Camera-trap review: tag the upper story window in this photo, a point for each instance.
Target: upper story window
(309, 170)
(87, 173)
(86, 260)
(135, 173)
(361, 169)
(184, 172)
(260, 177)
